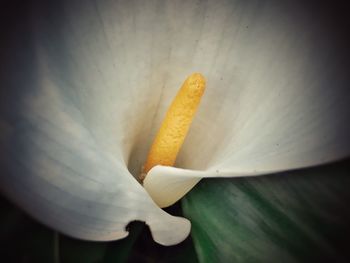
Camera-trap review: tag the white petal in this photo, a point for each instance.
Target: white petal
(166, 185)
(61, 176)
(89, 85)
(70, 119)
(277, 97)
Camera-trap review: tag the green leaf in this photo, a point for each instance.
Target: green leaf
(299, 216)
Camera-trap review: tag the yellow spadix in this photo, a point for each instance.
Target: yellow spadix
(176, 124)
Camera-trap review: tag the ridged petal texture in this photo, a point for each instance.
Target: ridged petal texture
(86, 86)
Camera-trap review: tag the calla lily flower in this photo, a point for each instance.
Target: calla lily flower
(86, 86)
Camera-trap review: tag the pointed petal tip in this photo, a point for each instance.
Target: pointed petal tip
(166, 236)
(166, 185)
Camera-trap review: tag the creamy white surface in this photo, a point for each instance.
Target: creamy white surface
(90, 89)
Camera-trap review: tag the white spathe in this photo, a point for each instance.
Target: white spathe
(87, 86)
